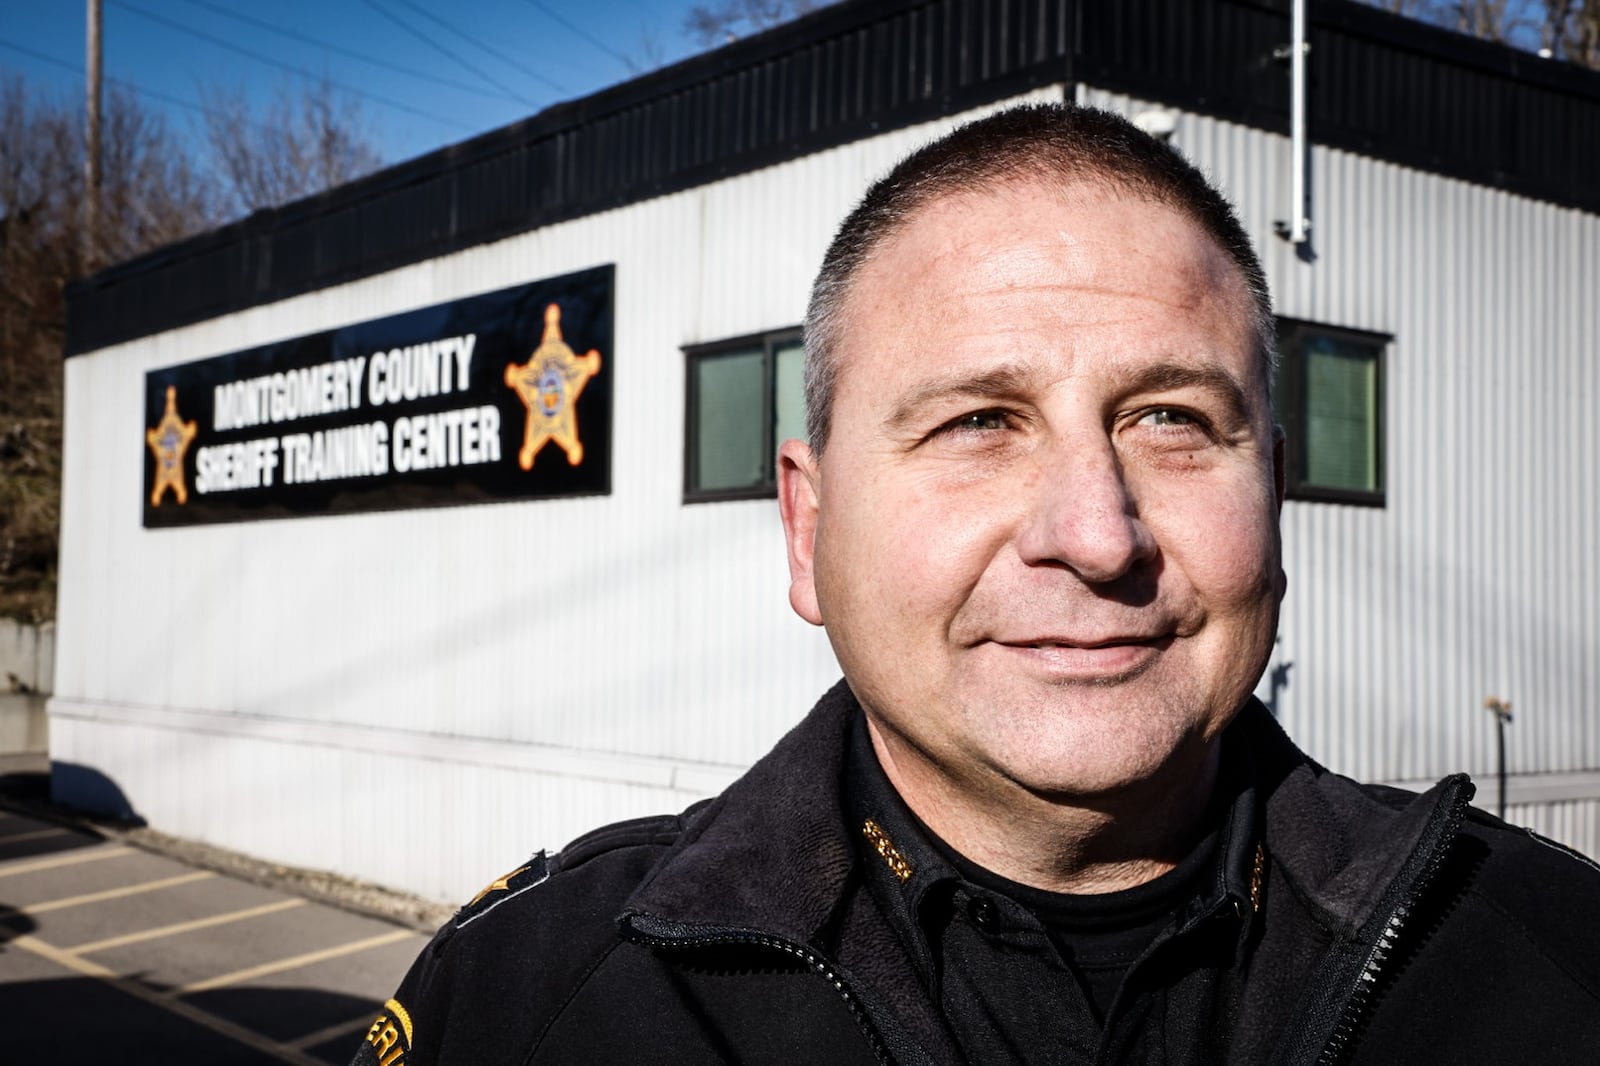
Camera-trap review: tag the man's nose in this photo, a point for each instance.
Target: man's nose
(1082, 514)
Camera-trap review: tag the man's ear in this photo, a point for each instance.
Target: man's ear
(1279, 485)
(1279, 474)
(799, 501)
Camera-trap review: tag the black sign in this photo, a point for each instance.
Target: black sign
(501, 396)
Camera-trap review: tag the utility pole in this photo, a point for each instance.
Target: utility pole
(91, 167)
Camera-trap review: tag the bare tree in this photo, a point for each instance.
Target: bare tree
(715, 24)
(153, 192)
(301, 143)
(1572, 31)
(1560, 29)
(1490, 19)
(1412, 8)
(151, 195)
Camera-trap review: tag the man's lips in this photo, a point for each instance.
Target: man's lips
(1087, 643)
(1098, 659)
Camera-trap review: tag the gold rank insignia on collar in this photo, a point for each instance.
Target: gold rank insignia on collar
(885, 847)
(531, 874)
(499, 884)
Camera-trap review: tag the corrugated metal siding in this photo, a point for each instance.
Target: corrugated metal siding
(633, 627)
(629, 625)
(1389, 87)
(438, 828)
(803, 88)
(1368, 91)
(1479, 577)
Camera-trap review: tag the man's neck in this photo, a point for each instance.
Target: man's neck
(1078, 845)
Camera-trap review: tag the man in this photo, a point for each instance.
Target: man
(1042, 819)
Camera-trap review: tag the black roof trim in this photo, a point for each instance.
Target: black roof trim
(1382, 85)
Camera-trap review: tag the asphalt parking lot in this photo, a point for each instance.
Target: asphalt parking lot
(112, 953)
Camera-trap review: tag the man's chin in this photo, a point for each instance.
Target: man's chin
(1092, 739)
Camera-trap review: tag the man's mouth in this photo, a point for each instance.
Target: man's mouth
(1098, 659)
(1054, 643)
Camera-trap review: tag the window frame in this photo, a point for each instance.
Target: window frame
(1290, 402)
(767, 341)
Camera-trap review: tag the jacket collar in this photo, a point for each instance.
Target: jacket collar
(1344, 845)
(772, 852)
(775, 852)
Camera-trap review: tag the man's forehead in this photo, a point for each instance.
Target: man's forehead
(964, 238)
(1089, 240)
(1066, 209)
(951, 277)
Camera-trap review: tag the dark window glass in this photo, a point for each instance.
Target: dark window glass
(745, 398)
(728, 440)
(1329, 399)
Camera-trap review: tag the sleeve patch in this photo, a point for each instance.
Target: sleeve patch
(389, 1040)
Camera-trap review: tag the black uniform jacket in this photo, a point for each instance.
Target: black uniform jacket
(1393, 928)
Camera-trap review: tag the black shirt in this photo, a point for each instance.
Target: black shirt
(1023, 975)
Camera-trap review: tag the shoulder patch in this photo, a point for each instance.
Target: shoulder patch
(536, 871)
(1570, 853)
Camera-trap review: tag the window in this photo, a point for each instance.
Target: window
(746, 397)
(1329, 400)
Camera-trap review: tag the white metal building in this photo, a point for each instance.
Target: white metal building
(421, 683)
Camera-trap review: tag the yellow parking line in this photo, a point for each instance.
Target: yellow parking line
(116, 893)
(294, 963)
(62, 957)
(35, 834)
(64, 860)
(184, 927)
(222, 1026)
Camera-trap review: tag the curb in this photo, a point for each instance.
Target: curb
(319, 886)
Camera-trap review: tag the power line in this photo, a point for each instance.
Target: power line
(269, 61)
(294, 35)
(584, 34)
(447, 53)
(121, 83)
(516, 64)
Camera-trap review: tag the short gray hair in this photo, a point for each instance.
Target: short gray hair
(1056, 142)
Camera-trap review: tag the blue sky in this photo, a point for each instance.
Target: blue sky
(462, 68)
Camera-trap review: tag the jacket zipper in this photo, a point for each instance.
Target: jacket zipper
(1417, 876)
(668, 937)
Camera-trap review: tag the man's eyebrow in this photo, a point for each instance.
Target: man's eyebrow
(1160, 377)
(997, 383)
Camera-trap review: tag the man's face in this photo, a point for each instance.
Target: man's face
(1043, 534)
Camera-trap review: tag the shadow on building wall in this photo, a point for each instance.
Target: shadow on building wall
(33, 784)
(85, 790)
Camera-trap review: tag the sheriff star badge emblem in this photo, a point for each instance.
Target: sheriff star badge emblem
(169, 440)
(549, 385)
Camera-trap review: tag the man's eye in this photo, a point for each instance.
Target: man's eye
(1169, 416)
(980, 420)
